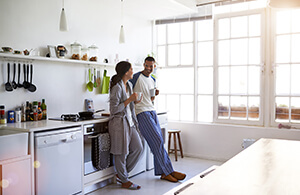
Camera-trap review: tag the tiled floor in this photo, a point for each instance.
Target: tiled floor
(153, 185)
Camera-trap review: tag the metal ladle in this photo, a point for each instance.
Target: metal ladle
(19, 72)
(32, 87)
(13, 83)
(8, 86)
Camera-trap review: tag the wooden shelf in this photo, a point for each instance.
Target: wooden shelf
(19, 57)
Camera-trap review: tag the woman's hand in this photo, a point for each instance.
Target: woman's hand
(133, 97)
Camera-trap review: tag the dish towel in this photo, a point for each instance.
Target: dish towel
(101, 151)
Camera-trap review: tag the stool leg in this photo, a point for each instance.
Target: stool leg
(180, 147)
(169, 143)
(175, 147)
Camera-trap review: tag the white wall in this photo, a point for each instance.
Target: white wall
(222, 142)
(35, 24)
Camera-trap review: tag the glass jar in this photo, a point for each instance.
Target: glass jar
(93, 51)
(75, 51)
(85, 54)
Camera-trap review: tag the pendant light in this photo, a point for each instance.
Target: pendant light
(122, 36)
(63, 26)
(284, 3)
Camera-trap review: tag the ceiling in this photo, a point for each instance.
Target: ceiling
(158, 9)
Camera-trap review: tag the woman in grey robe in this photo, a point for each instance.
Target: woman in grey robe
(126, 144)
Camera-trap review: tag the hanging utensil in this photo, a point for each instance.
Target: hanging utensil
(26, 77)
(90, 84)
(19, 72)
(32, 87)
(105, 83)
(95, 83)
(13, 83)
(98, 80)
(8, 86)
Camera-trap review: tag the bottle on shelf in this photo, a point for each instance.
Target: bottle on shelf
(35, 110)
(27, 111)
(2, 115)
(44, 109)
(23, 113)
(40, 112)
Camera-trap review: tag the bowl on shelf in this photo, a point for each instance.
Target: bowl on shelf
(7, 49)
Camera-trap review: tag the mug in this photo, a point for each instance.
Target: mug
(139, 95)
(152, 92)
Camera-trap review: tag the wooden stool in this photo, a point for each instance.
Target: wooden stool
(175, 132)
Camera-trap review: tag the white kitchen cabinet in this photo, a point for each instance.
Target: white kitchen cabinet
(15, 176)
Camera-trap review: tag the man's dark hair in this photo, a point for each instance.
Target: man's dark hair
(149, 58)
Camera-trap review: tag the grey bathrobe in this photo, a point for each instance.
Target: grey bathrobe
(118, 123)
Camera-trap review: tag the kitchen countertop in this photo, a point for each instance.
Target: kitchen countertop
(32, 126)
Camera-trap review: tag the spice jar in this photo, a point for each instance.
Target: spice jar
(76, 51)
(2, 115)
(93, 51)
(85, 54)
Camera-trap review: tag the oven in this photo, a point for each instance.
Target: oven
(93, 177)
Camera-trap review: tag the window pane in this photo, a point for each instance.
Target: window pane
(205, 53)
(161, 56)
(282, 109)
(173, 33)
(254, 51)
(161, 34)
(176, 80)
(253, 106)
(239, 80)
(295, 79)
(254, 80)
(283, 24)
(223, 80)
(295, 56)
(186, 31)
(223, 51)
(254, 25)
(239, 51)
(187, 107)
(295, 111)
(173, 55)
(238, 107)
(223, 28)
(205, 30)
(205, 108)
(282, 79)
(283, 49)
(173, 107)
(239, 26)
(223, 106)
(187, 54)
(160, 101)
(205, 80)
(295, 20)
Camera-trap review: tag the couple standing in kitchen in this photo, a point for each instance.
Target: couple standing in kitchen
(131, 116)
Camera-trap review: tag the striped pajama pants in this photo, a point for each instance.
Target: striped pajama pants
(150, 129)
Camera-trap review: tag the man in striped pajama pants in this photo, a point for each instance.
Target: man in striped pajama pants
(149, 125)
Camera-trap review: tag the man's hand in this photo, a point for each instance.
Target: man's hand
(156, 92)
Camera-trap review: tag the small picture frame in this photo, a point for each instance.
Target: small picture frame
(52, 51)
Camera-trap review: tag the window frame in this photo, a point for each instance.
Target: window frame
(260, 122)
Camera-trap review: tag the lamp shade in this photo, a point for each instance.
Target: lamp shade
(284, 3)
(122, 37)
(63, 26)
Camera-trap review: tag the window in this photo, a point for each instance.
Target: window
(287, 66)
(175, 53)
(238, 55)
(229, 70)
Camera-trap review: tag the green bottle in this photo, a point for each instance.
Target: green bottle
(44, 109)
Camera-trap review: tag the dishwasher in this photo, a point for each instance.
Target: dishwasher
(58, 161)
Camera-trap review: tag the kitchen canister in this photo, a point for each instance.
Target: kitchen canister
(2, 114)
(10, 116)
(18, 115)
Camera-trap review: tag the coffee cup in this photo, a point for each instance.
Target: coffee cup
(139, 95)
(152, 92)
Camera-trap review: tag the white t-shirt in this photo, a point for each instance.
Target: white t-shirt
(142, 83)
